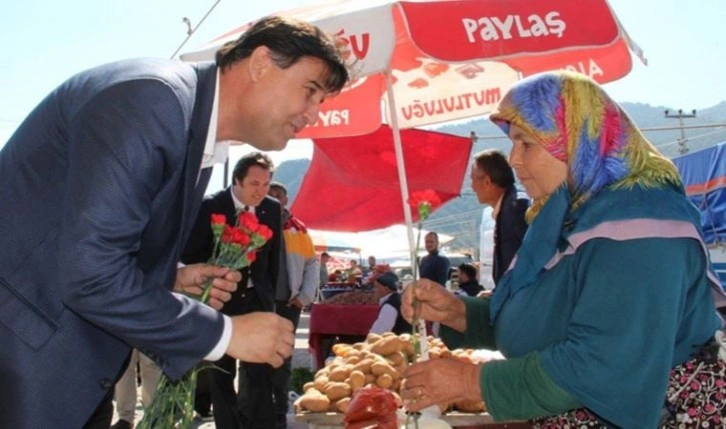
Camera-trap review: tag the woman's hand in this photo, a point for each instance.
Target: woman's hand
(191, 279)
(440, 381)
(437, 305)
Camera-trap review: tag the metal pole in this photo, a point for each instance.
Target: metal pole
(683, 149)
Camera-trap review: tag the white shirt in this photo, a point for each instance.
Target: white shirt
(239, 206)
(216, 152)
(386, 317)
(497, 207)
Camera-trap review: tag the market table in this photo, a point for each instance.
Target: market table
(329, 321)
(455, 419)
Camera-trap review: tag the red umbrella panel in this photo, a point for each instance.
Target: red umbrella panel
(353, 184)
(450, 60)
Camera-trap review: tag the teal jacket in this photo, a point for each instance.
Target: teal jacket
(626, 296)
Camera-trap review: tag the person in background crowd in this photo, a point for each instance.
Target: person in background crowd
(434, 266)
(468, 283)
(324, 275)
(371, 263)
(118, 158)
(253, 407)
(369, 272)
(125, 389)
(385, 288)
(492, 180)
(300, 286)
(607, 317)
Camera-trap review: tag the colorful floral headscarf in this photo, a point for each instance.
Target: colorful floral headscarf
(579, 124)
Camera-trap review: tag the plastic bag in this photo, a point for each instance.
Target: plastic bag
(371, 408)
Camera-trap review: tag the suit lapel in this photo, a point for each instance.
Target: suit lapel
(195, 181)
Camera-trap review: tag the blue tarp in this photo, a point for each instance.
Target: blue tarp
(704, 176)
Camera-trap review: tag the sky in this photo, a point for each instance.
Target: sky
(43, 42)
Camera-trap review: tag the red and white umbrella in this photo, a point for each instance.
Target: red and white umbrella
(441, 60)
(449, 60)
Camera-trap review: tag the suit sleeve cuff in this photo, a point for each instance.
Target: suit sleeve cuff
(223, 343)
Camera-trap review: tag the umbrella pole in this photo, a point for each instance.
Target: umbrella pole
(398, 147)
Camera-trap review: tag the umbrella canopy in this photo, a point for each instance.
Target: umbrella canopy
(440, 60)
(443, 60)
(352, 183)
(332, 243)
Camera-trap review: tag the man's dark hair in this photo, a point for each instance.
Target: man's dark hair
(494, 164)
(253, 158)
(325, 254)
(277, 186)
(468, 269)
(288, 40)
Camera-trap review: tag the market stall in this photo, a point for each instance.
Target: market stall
(330, 322)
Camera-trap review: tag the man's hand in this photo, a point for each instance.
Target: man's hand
(261, 337)
(191, 279)
(295, 303)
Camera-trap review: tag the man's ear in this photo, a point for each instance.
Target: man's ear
(260, 62)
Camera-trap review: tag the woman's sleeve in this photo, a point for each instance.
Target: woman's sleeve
(520, 389)
(479, 332)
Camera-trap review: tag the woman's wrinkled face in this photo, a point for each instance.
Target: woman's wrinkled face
(539, 172)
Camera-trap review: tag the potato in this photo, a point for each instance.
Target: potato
(340, 373)
(387, 345)
(342, 405)
(335, 390)
(372, 338)
(396, 358)
(356, 380)
(384, 380)
(340, 349)
(320, 382)
(307, 386)
(313, 401)
(364, 366)
(352, 359)
(380, 368)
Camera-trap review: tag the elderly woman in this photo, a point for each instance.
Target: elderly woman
(607, 314)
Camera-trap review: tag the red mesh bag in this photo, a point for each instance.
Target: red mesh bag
(371, 408)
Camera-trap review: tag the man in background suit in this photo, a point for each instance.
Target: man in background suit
(256, 291)
(492, 180)
(100, 186)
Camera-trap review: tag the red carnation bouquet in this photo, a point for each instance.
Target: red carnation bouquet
(235, 247)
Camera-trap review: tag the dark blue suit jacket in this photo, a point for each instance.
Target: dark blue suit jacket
(509, 231)
(101, 184)
(266, 268)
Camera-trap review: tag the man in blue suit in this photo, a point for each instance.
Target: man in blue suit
(100, 187)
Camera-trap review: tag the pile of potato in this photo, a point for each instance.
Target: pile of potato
(379, 361)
